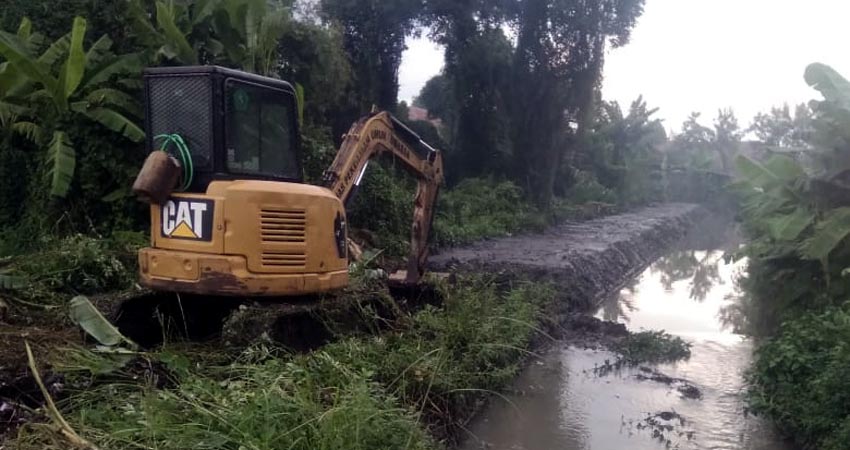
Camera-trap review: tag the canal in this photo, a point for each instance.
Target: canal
(561, 402)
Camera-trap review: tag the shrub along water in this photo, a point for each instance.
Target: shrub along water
(796, 212)
(800, 378)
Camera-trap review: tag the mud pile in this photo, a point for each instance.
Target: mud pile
(584, 260)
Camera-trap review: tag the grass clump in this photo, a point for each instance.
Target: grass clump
(476, 340)
(258, 402)
(653, 347)
(71, 265)
(799, 378)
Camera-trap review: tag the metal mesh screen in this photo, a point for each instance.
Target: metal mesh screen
(181, 104)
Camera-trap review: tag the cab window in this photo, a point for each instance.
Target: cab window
(261, 133)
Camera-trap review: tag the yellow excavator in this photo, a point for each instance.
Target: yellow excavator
(230, 214)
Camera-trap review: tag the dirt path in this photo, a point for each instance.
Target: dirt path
(585, 260)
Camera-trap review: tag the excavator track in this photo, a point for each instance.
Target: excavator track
(296, 323)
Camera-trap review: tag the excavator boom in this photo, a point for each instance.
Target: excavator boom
(382, 134)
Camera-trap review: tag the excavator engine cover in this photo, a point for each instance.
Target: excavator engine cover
(244, 224)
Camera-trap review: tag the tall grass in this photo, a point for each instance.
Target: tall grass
(408, 388)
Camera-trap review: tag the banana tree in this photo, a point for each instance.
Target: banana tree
(802, 210)
(249, 32)
(66, 82)
(13, 83)
(236, 33)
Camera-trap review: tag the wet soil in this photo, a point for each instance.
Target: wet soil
(584, 260)
(19, 394)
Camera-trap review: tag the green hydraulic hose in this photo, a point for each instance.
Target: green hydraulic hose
(184, 155)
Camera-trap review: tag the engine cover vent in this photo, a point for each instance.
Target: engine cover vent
(283, 226)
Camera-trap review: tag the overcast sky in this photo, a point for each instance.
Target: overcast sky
(702, 55)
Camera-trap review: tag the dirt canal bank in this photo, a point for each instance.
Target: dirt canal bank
(584, 260)
(562, 400)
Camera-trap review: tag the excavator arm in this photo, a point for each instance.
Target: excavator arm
(382, 134)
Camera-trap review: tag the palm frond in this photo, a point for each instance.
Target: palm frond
(20, 58)
(29, 130)
(25, 29)
(75, 64)
(56, 51)
(98, 50)
(787, 227)
(114, 97)
(131, 83)
(176, 41)
(117, 122)
(10, 108)
(125, 64)
(62, 162)
(203, 10)
(829, 232)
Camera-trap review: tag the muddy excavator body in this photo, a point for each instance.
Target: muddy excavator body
(230, 214)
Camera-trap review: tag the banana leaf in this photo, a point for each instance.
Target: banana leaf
(87, 316)
(829, 233)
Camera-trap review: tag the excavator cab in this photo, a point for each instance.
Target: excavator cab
(236, 125)
(230, 214)
(240, 221)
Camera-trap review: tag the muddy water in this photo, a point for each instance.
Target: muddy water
(560, 403)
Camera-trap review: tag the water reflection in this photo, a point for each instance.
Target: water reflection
(618, 307)
(700, 268)
(685, 292)
(690, 293)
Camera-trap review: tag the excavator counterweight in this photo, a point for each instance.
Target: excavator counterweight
(230, 214)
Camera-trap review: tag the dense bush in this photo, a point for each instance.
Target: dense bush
(479, 208)
(258, 402)
(800, 378)
(474, 342)
(587, 189)
(382, 208)
(476, 208)
(623, 150)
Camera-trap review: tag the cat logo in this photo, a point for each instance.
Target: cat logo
(189, 219)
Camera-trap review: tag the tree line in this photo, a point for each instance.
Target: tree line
(519, 96)
(521, 76)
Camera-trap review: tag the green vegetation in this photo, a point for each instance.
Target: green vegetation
(795, 211)
(68, 266)
(527, 141)
(652, 347)
(370, 391)
(70, 110)
(645, 347)
(800, 378)
(481, 208)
